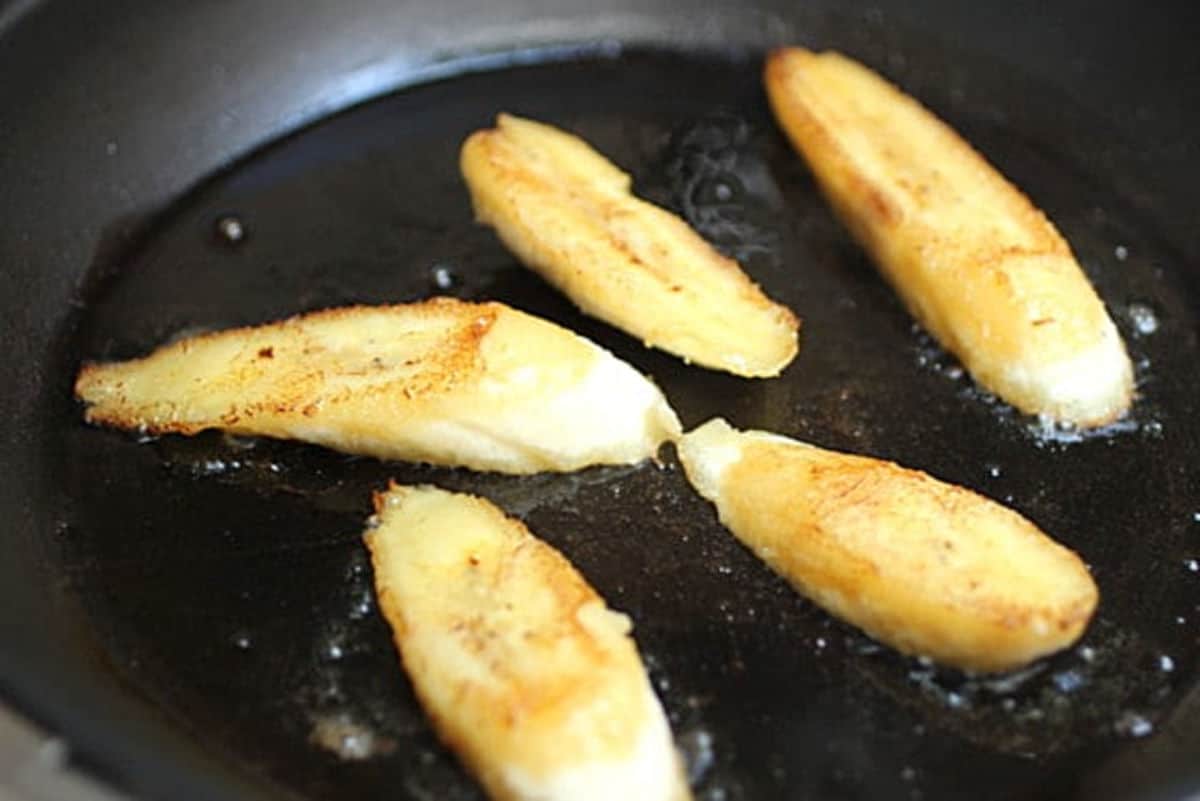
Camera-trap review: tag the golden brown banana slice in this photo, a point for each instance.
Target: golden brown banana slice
(975, 262)
(477, 385)
(523, 670)
(567, 213)
(927, 567)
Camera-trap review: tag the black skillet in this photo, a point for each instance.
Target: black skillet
(195, 617)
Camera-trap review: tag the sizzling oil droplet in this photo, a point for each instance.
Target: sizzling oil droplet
(1121, 252)
(1068, 681)
(1132, 724)
(1145, 321)
(714, 190)
(231, 230)
(238, 443)
(361, 608)
(697, 749)
(443, 277)
(1166, 664)
(242, 640)
(863, 646)
(1011, 682)
(993, 470)
(348, 739)
(216, 467)
(1193, 565)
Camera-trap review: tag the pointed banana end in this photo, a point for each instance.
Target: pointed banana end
(707, 452)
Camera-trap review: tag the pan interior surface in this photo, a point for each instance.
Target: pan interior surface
(226, 581)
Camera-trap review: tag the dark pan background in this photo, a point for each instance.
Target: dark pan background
(189, 613)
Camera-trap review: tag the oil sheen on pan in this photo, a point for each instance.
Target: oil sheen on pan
(225, 576)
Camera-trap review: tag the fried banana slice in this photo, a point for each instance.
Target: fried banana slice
(927, 567)
(476, 385)
(975, 262)
(523, 670)
(568, 214)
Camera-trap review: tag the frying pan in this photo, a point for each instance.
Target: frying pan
(194, 616)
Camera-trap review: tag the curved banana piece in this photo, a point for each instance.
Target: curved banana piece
(927, 567)
(521, 667)
(975, 262)
(567, 213)
(476, 385)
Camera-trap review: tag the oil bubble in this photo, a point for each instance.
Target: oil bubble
(444, 277)
(1132, 724)
(231, 230)
(1068, 681)
(1144, 319)
(697, 749)
(347, 738)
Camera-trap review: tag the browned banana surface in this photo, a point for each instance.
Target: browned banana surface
(927, 567)
(523, 669)
(477, 385)
(567, 212)
(975, 262)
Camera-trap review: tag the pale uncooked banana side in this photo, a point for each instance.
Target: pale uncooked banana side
(567, 213)
(974, 261)
(928, 567)
(478, 385)
(524, 671)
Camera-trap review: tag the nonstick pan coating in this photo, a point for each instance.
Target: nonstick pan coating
(224, 582)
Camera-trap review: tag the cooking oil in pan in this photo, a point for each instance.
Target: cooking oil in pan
(226, 577)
